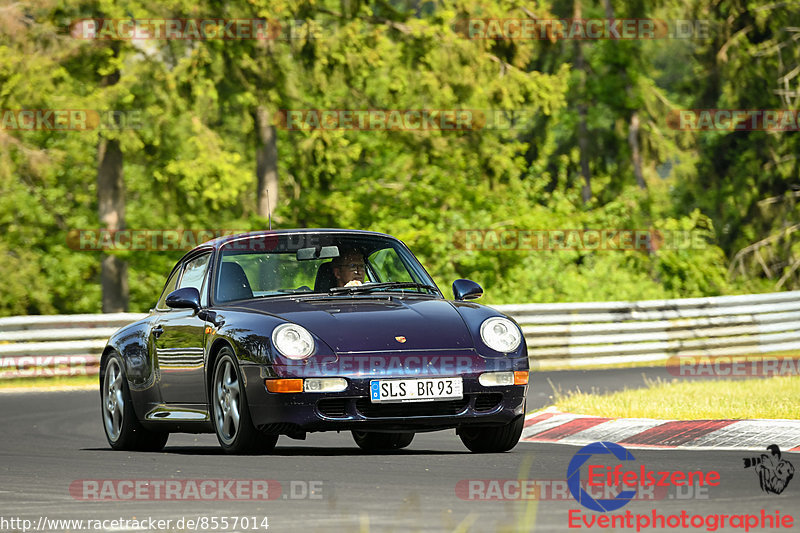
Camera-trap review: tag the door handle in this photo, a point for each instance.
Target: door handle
(157, 331)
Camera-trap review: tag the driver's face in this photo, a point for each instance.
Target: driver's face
(349, 267)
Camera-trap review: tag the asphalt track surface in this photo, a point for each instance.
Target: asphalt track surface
(50, 441)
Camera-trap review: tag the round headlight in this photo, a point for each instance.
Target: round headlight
(293, 341)
(500, 334)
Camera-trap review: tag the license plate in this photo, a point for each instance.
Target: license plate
(415, 390)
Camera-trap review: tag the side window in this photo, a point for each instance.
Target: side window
(193, 276)
(168, 288)
(194, 272)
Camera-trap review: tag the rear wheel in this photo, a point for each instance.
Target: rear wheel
(232, 423)
(493, 439)
(123, 430)
(373, 441)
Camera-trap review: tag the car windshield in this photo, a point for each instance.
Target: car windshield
(329, 263)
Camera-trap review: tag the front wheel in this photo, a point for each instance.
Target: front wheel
(123, 430)
(232, 424)
(493, 439)
(373, 442)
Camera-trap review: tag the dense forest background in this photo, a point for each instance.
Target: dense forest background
(593, 147)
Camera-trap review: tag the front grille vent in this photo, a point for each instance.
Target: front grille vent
(488, 402)
(333, 407)
(408, 409)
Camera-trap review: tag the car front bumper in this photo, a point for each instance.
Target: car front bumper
(352, 409)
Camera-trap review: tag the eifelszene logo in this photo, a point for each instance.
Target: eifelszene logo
(611, 467)
(774, 473)
(601, 475)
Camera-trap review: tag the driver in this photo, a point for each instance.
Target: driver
(349, 268)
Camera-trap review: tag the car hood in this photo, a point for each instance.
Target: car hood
(374, 324)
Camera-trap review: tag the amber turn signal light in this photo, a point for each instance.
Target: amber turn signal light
(284, 385)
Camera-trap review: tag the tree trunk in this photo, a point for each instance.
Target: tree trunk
(583, 132)
(266, 163)
(633, 125)
(111, 208)
(609, 9)
(633, 141)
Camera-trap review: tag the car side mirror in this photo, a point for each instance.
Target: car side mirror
(185, 298)
(466, 289)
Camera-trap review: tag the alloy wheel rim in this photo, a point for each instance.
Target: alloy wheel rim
(226, 402)
(113, 400)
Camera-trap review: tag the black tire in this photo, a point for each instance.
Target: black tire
(373, 442)
(230, 413)
(123, 430)
(493, 439)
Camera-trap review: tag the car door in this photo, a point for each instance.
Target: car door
(179, 338)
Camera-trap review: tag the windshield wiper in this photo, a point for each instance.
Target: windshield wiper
(367, 287)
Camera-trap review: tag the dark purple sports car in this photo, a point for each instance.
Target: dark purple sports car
(285, 332)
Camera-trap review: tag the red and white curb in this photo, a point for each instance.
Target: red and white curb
(551, 425)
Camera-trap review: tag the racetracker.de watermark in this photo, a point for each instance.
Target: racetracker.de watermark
(524, 29)
(196, 489)
(733, 367)
(404, 119)
(168, 240)
(44, 366)
(150, 240)
(199, 29)
(69, 120)
(389, 365)
(775, 120)
(137, 523)
(557, 490)
(642, 240)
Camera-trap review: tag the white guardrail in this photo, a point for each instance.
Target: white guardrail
(654, 330)
(56, 345)
(575, 333)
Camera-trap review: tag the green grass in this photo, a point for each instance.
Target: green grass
(776, 397)
(53, 382)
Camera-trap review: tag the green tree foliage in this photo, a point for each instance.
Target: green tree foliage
(746, 181)
(190, 159)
